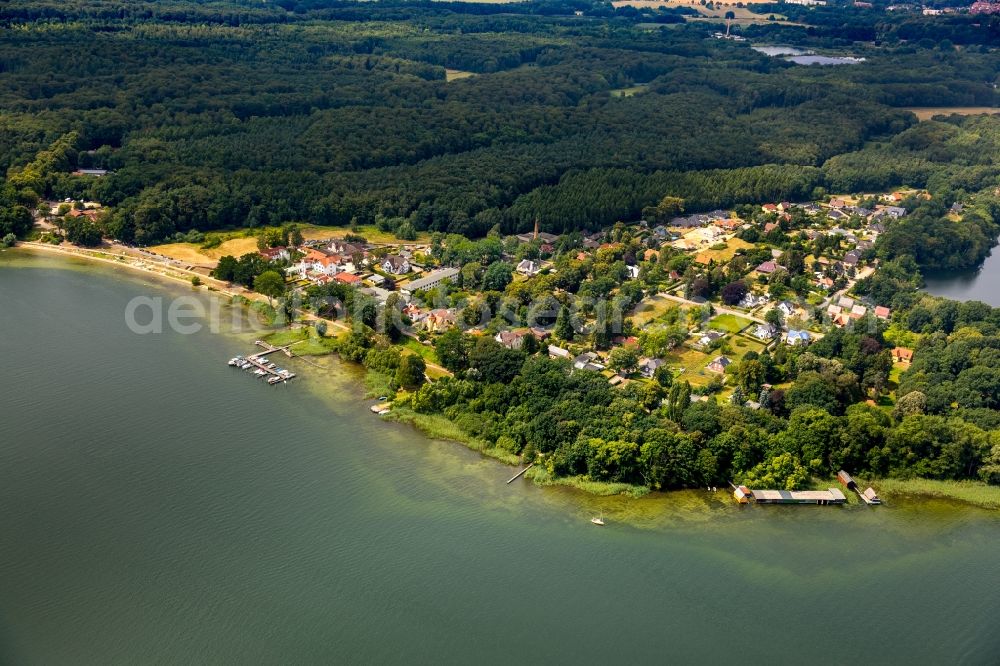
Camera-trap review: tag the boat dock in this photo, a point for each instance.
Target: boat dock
(831, 496)
(869, 496)
(258, 364)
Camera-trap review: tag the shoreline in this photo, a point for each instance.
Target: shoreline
(437, 426)
(125, 260)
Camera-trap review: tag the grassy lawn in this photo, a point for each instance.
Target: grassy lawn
(729, 323)
(419, 349)
(721, 256)
(691, 363)
(306, 340)
(741, 345)
(651, 308)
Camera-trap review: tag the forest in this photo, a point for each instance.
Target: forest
(217, 115)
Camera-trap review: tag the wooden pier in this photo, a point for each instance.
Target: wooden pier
(518, 475)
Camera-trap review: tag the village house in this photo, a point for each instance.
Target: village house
(787, 308)
(439, 320)
(275, 254)
(588, 361)
(648, 366)
(528, 267)
(318, 263)
(719, 364)
(852, 258)
(345, 248)
(795, 338)
(512, 339)
(752, 300)
(769, 267)
(394, 264)
(902, 355)
(766, 331)
(347, 278)
(882, 312)
(842, 319)
(709, 337)
(729, 224)
(558, 352)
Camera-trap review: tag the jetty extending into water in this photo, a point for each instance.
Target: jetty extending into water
(259, 365)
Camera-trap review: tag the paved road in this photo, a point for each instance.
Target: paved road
(720, 309)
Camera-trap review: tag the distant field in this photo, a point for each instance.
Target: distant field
(928, 112)
(630, 92)
(244, 242)
(743, 14)
(457, 75)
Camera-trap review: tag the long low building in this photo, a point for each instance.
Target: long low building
(432, 280)
(824, 497)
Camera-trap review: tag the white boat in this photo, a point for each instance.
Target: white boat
(598, 520)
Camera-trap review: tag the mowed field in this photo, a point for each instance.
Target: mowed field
(928, 112)
(743, 14)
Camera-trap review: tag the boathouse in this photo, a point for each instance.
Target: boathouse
(870, 497)
(846, 479)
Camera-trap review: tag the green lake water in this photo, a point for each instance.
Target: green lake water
(161, 507)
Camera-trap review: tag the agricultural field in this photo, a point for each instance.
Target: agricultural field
(928, 112)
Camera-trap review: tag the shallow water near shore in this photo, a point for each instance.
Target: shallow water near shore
(160, 506)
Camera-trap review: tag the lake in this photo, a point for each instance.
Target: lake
(981, 284)
(161, 507)
(804, 57)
